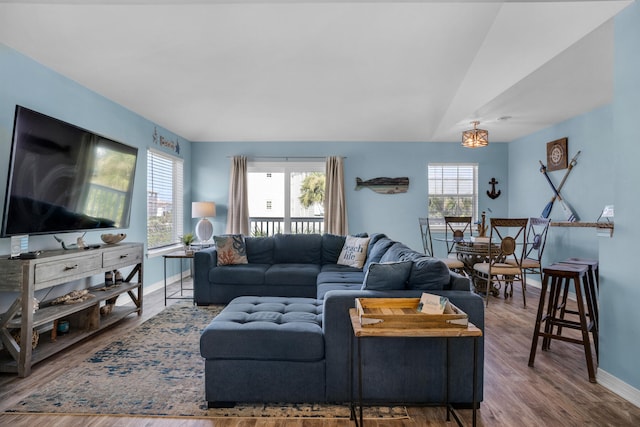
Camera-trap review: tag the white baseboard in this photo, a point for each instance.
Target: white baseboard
(534, 283)
(619, 387)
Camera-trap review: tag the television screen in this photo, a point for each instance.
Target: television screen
(63, 178)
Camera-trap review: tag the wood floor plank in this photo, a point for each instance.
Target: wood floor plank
(555, 392)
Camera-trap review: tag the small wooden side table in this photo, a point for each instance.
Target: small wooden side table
(181, 255)
(359, 332)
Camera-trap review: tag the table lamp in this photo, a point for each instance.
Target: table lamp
(204, 228)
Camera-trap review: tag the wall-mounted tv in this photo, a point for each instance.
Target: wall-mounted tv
(63, 178)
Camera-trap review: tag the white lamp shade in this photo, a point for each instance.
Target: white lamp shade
(203, 209)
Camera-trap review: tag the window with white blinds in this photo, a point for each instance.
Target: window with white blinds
(164, 199)
(453, 190)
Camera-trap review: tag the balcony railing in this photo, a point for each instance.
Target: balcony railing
(268, 226)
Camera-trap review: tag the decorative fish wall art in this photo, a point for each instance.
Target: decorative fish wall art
(384, 185)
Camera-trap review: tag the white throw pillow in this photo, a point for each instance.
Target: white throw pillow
(354, 251)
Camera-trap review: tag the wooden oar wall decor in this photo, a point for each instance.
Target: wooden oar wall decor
(547, 209)
(570, 215)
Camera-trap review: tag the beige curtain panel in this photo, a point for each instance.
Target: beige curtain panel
(238, 215)
(335, 207)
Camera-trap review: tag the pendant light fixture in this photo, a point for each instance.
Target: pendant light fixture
(475, 138)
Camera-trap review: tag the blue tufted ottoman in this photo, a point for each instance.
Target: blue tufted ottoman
(265, 349)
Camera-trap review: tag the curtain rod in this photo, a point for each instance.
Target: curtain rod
(286, 158)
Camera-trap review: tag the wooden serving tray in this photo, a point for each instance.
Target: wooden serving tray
(403, 313)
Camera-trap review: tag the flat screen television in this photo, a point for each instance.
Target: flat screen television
(63, 178)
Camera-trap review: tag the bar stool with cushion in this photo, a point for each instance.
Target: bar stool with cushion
(454, 264)
(555, 284)
(510, 235)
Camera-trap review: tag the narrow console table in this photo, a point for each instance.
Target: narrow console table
(360, 332)
(20, 323)
(179, 255)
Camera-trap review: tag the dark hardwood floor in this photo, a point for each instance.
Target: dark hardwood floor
(556, 392)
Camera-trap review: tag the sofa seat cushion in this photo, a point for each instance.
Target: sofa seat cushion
(266, 328)
(239, 274)
(341, 277)
(292, 274)
(326, 287)
(327, 268)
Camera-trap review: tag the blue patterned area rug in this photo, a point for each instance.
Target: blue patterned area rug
(157, 371)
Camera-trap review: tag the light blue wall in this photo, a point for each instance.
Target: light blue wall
(607, 173)
(587, 189)
(620, 291)
(28, 83)
(395, 215)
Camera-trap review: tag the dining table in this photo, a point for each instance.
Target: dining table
(474, 252)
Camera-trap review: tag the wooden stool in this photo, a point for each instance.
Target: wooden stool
(593, 275)
(557, 278)
(594, 270)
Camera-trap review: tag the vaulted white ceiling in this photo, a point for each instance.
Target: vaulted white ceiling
(323, 70)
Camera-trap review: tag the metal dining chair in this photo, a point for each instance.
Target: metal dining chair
(453, 264)
(457, 229)
(425, 234)
(536, 240)
(504, 266)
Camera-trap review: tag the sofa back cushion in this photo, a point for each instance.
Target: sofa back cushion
(331, 247)
(259, 249)
(377, 250)
(399, 252)
(429, 273)
(297, 248)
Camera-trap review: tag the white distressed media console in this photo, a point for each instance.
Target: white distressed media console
(56, 267)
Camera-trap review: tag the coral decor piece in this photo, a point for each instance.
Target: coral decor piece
(73, 297)
(35, 337)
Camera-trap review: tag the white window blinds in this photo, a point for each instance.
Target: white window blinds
(453, 190)
(165, 210)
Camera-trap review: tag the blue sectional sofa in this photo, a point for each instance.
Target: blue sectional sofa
(285, 334)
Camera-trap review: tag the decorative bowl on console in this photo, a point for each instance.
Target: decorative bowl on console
(111, 239)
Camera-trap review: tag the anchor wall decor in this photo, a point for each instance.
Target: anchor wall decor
(493, 194)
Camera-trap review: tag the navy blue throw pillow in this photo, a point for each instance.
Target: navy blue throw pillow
(387, 276)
